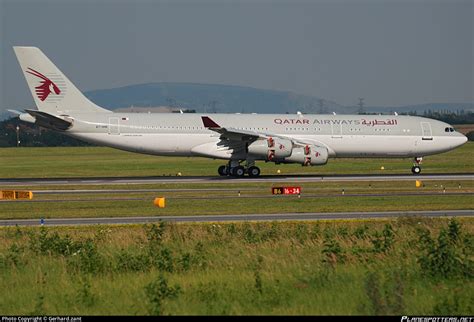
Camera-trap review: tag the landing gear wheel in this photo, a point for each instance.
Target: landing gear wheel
(223, 171)
(253, 172)
(238, 171)
(416, 169)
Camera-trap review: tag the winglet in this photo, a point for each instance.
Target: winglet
(209, 123)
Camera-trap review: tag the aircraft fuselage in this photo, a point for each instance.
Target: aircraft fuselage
(343, 135)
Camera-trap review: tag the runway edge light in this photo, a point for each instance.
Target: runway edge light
(159, 202)
(418, 183)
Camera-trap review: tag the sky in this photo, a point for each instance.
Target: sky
(391, 53)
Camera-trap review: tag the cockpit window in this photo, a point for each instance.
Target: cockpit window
(449, 129)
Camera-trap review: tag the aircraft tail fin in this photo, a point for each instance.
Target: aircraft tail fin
(52, 91)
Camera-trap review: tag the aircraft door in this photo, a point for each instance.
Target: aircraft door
(114, 127)
(336, 130)
(426, 133)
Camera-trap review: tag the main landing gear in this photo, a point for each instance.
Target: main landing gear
(234, 169)
(416, 169)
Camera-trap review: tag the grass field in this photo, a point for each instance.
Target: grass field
(221, 198)
(408, 266)
(404, 266)
(107, 162)
(254, 198)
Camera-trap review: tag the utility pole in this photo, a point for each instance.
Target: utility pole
(17, 136)
(213, 104)
(361, 106)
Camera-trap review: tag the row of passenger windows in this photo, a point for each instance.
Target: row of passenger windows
(319, 129)
(151, 127)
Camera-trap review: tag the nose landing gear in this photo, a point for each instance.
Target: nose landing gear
(416, 169)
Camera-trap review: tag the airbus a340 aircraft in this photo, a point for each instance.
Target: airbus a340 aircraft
(242, 139)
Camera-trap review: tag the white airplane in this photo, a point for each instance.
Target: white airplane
(242, 139)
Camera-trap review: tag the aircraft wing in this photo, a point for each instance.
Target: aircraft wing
(231, 134)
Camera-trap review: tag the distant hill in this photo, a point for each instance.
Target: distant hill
(209, 98)
(422, 108)
(240, 99)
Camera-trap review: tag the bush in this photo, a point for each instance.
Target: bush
(44, 244)
(157, 292)
(333, 252)
(361, 232)
(383, 242)
(154, 234)
(163, 259)
(87, 259)
(128, 261)
(448, 256)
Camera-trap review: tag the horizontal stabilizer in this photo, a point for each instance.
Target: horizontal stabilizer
(15, 112)
(50, 121)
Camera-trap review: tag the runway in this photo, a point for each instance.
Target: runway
(216, 179)
(235, 218)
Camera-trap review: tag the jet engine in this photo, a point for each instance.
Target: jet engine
(308, 155)
(271, 149)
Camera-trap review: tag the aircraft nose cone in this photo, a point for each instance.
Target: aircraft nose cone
(461, 140)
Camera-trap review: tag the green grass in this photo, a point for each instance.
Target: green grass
(316, 197)
(281, 268)
(304, 268)
(252, 187)
(235, 206)
(107, 162)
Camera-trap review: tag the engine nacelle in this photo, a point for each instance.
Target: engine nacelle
(271, 148)
(309, 155)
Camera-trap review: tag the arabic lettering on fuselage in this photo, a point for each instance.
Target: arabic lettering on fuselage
(304, 121)
(379, 122)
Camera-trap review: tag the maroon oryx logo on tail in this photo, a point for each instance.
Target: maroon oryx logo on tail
(47, 86)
